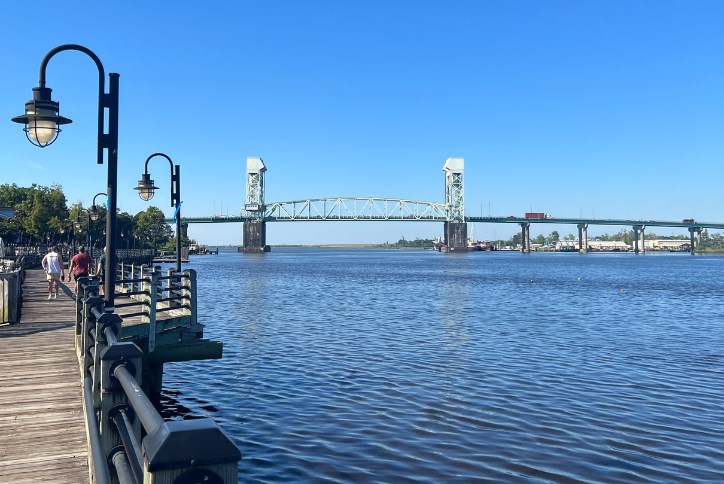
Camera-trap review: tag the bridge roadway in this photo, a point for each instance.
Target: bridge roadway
(469, 219)
(42, 427)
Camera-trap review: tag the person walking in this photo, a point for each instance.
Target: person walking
(79, 266)
(100, 271)
(54, 270)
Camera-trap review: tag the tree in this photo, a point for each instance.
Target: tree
(37, 212)
(125, 225)
(150, 227)
(554, 236)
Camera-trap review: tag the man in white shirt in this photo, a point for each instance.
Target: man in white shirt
(54, 269)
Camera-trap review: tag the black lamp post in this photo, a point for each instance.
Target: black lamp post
(71, 235)
(93, 215)
(42, 121)
(146, 190)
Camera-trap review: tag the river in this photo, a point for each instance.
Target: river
(415, 366)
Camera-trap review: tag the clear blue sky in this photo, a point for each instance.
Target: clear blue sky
(605, 109)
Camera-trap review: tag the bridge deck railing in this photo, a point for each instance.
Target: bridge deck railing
(129, 440)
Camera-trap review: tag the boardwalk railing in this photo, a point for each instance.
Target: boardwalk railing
(153, 292)
(127, 436)
(12, 274)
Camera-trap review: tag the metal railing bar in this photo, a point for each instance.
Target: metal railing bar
(110, 336)
(123, 470)
(130, 444)
(172, 298)
(126, 281)
(132, 293)
(98, 460)
(131, 304)
(183, 306)
(140, 313)
(147, 413)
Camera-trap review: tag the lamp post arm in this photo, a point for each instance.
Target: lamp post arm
(94, 198)
(175, 189)
(103, 99)
(175, 201)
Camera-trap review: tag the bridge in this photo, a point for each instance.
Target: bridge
(451, 213)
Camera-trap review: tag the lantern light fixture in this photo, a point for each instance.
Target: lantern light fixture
(146, 188)
(42, 119)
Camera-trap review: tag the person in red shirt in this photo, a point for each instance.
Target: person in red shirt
(79, 266)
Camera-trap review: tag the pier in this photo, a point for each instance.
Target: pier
(42, 429)
(77, 384)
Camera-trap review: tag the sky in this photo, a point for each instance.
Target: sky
(578, 109)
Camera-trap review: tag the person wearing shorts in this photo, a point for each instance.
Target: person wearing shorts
(79, 266)
(54, 270)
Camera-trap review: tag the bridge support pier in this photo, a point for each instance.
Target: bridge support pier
(525, 237)
(583, 238)
(694, 240)
(638, 231)
(255, 237)
(456, 236)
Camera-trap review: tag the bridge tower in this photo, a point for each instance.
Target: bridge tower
(255, 226)
(456, 230)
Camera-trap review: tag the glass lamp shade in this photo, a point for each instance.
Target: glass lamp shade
(42, 131)
(77, 225)
(41, 119)
(146, 188)
(93, 213)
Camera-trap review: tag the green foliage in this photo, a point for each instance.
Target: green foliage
(150, 227)
(38, 211)
(417, 243)
(42, 215)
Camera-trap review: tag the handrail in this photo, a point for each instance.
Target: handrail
(98, 461)
(114, 398)
(150, 418)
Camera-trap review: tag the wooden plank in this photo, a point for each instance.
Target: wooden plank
(42, 427)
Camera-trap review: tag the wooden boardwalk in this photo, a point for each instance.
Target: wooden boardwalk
(42, 428)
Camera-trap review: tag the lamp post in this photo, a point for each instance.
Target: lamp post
(146, 190)
(71, 235)
(42, 124)
(93, 215)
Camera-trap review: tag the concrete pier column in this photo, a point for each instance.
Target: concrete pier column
(638, 231)
(583, 238)
(255, 237)
(643, 239)
(456, 236)
(694, 239)
(525, 237)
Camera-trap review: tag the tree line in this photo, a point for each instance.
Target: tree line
(43, 217)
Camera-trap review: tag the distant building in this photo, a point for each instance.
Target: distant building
(608, 246)
(668, 245)
(567, 246)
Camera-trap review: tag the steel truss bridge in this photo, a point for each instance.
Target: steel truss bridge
(402, 210)
(338, 209)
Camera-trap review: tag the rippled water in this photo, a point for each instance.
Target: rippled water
(415, 366)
